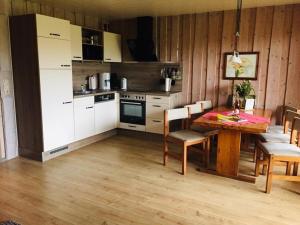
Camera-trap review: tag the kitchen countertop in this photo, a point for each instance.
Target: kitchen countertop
(101, 92)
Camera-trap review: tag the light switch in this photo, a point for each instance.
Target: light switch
(6, 87)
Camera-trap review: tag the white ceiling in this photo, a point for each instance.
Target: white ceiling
(114, 9)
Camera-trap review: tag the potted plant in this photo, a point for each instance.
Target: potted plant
(244, 91)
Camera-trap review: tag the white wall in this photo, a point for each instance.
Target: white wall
(6, 84)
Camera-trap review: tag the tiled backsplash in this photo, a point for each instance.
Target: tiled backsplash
(144, 76)
(140, 76)
(82, 70)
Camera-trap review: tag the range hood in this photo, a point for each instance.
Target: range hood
(143, 48)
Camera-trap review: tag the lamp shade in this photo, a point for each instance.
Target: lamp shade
(235, 58)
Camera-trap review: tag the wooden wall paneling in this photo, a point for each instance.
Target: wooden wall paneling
(169, 37)
(70, 16)
(59, 13)
(33, 7)
(262, 42)
(292, 89)
(47, 10)
(175, 50)
(5, 7)
(91, 21)
(200, 57)
(228, 40)
(79, 19)
(277, 72)
(215, 25)
(18, 7)
(188, 37)
(163, 51)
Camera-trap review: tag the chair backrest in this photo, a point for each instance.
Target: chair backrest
(195, 108)
(206, 104)
(295, 135)
(288, 119)
(290, 108)
(175, 114)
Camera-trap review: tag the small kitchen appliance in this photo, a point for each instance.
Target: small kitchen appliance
(92, 82)
(124, 84)
(168, 84)
(104, 81)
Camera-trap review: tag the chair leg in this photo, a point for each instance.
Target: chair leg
(165, 153)
(184, 159)
(269, 175)
(288, 168)
(295, 170)
(207, 149)
(254, 153)
(257, 165)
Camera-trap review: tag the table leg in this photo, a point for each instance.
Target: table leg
(228, 154)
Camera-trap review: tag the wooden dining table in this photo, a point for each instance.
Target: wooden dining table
(229, 140)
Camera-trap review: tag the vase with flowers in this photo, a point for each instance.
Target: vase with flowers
(244, 91)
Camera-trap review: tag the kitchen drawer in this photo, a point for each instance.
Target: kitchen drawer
(156, 110)
(51, 27)
(158, 99)
(132, 127)
(155, 126)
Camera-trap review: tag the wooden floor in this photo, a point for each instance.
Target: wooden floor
(121, 181)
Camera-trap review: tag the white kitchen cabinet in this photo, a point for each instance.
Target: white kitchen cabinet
(112, 51)
(84, 117)
(76, 42)
(54, 53)
(57, 108)
(51, 27)
(106, 116)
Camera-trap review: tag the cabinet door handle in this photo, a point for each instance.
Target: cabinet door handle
(67, 102)
(132, 126)
(90, 107)
(108, 59)
(77, 57)
(156, 98)
(157, 106)
(65, 65)
(54, 34)
(156, 121)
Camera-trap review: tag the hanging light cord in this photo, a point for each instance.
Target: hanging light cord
(238, 22)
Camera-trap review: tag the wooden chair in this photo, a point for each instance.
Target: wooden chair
(183, 137)
(197, 109)
(280, 128)
(275, 153)
(281, 137)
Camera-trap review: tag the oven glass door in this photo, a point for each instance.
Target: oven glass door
(132, 112)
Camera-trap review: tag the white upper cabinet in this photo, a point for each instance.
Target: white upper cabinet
(84, 117)
(112, 47)
(54, 53)
(76, 42)
(57, 108)
(51, 27)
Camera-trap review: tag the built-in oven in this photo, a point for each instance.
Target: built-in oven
(132, 111)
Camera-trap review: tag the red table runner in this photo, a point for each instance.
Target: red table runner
(250, 119)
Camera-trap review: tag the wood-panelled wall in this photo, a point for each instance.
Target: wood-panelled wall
(20, 7)
(199, 42)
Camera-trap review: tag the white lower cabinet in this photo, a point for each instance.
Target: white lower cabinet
(84, 117)
(155, 108)
(106, 116)
(155, 126)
